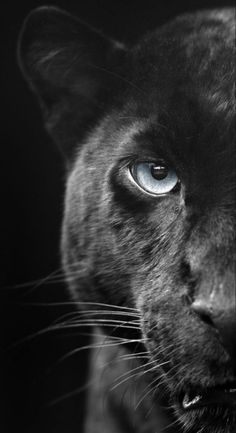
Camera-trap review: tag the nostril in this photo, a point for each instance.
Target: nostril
(207, 319)
(204, 313)
(185, 270)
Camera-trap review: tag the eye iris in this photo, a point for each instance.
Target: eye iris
(159, 172)
(156, 178)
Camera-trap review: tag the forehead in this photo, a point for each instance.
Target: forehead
(183, 76)
(189, 59)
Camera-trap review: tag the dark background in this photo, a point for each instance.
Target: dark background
(31, 210)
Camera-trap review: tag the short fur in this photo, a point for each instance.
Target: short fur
(170, 96)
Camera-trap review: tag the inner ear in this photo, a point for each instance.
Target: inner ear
(69, 64)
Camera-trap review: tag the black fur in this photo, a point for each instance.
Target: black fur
(169, 96)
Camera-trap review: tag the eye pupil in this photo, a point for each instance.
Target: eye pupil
(159, 172)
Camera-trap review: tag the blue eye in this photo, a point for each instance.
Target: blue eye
(155, 178)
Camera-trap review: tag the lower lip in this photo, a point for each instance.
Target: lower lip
(218, 397)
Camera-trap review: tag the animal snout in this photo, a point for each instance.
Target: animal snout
(218, 309)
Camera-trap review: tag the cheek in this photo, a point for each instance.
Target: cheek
(160, 297)
(149, 237)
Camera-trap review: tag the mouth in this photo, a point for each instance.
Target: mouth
(218, 396)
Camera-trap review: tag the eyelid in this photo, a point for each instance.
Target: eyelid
(158, 159)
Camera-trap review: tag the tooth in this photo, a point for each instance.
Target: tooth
(187, 403)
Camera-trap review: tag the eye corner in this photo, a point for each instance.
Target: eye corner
(177, 188)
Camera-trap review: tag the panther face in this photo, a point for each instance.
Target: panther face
(150, 202)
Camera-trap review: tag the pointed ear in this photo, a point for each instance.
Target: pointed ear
(71, 67)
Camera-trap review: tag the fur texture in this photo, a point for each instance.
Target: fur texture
(170, 96)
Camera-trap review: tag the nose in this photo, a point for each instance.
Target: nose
(220, 312)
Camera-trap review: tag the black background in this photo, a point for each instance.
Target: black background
(31, 210)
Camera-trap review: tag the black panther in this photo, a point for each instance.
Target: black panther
(148, 237)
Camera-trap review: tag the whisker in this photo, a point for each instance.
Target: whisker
(99, 304)
(34, 283)
(72, 393)
(116, 323)
(140, 367)
(109, 325)
(134, 355)
(100, 346)
(46, 330)
(77, 316)
(80, 312)
(170, 425)
(146, 393)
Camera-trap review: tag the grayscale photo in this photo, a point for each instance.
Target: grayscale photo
(118, 253)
